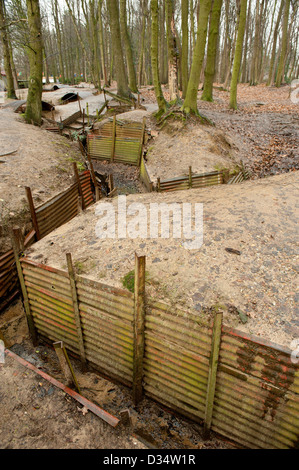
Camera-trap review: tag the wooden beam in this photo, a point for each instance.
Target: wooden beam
(72, 278)
(214, 357)
(139, 326)
(32, 212)
(79, 184)
(66, 366)
(28, 313)
(113, 139)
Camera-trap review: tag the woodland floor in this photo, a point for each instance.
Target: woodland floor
(258, 218)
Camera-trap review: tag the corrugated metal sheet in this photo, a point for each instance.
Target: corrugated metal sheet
(198, 181)
(177, 350)
(63, 207)
(127, 143)
(256, 400)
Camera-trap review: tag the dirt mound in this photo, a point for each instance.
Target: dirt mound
(256, 219)
(40, 160)
(181, 144)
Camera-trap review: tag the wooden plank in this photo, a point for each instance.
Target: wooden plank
(66, 365)
(216, 339)
(139, 327)
(79, 184)
(113, 139)
(32, 212)
(29, 317)
(76, 307)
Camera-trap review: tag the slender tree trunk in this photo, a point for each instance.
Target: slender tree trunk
(120, 71)
(55, 9)
(172, 51)
(154, 56)
(185, 46)
(128, 46)
(283, 55)
(238, 55)
(190, 103)
(101, 39)
(273, 55)
(11, 94)
(212, 51)
(35, 53)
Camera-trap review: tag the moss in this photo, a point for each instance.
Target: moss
(128, 281)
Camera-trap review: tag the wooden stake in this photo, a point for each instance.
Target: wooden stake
(94, 180)
(113, 139)
(139, 325)
(190, 176)
(29, 316)
(76, 307)
(142, 141)
(216, 340)
(79, 184)
(32, 212)
(66, 366)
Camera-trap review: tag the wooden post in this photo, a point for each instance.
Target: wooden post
(139, 325)
(158, 185)
(79, 184)
(76, 308)
(142, 141)
(19, 239)
(190, 176)
(113, 139)
(87, 112)
(29, 316)
(32, 212)
(66, 366)
(110, 183)
(94, 180)
(216, 340)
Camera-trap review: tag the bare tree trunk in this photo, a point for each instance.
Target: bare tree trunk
(172, 52)
(6, 52)
(283, 55)
(121, 77)
(33, 113)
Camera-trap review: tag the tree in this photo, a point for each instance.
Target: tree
(154, 57)
(121, 76)
(172, 51)
(283, 55)
(128, 46)
(185, 43)
(238, 55)
(33, 113)
(190, 103)
(6, 52)
(212, 51)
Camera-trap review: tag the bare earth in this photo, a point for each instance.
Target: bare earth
(257, 218)
(42, 161)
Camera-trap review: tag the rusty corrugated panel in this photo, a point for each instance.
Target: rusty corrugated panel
(107, 315)
(257, 400)
(176, 364)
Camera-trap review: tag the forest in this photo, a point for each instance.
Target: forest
(140, 42)
(149, 175)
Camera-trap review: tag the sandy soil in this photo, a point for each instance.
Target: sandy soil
(177, 147)
(42, 161)
(257, 218)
